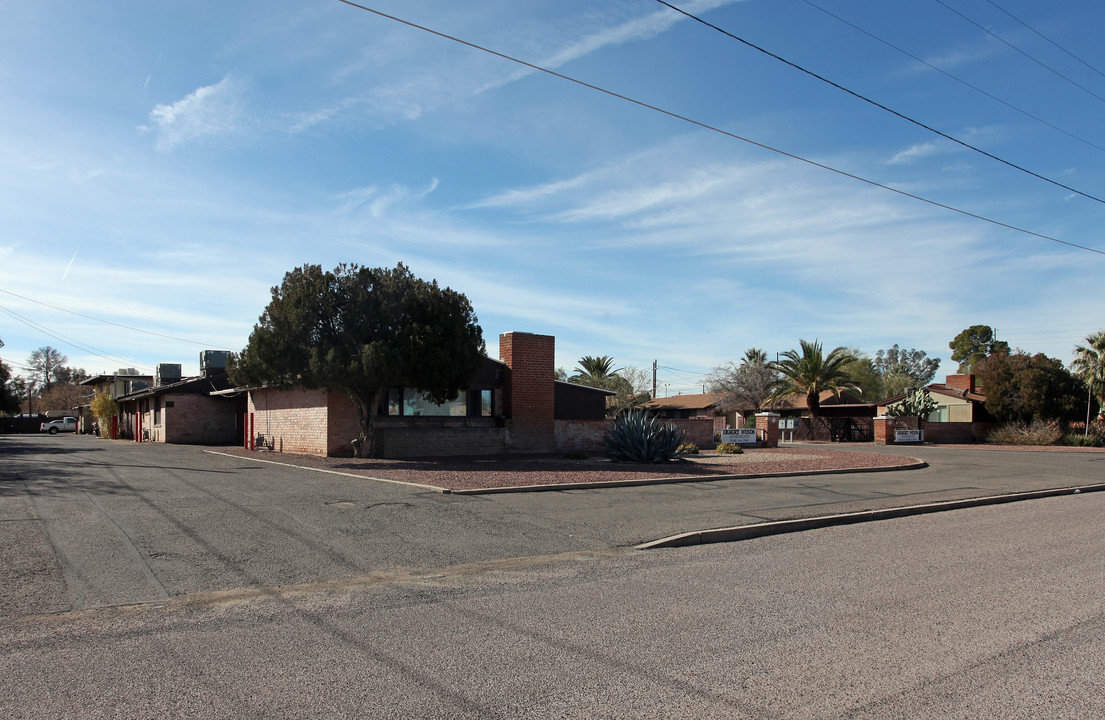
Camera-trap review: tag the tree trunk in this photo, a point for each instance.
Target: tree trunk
(365, 447)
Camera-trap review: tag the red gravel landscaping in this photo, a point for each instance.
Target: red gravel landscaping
(486, 473)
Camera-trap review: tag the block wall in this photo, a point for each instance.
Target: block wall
(529, 397)
(290, 420)
(581, 434)
(197, 419)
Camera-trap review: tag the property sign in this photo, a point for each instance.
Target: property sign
(739, 436)
(904, 436)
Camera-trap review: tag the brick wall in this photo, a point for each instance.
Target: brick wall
(581, 434)
(956, 432)
(343, 424)
(529, 396)
(290, 420)
(197, 419)
(437, 437)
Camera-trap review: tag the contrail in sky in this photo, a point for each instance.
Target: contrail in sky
(66, 273)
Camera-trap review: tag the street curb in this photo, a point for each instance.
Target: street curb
(420, 486)
(598, 485)
(780, 527)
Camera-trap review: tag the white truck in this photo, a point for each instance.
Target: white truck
(66, 424)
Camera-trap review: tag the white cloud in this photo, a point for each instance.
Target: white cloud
(208, 112)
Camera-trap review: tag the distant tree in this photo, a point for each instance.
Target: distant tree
(1027, 387)
(630, 385)
(865, 375)
(1089, 365)
(745, 385)
(9, 400)
(360, 331)
(812, 372)
(901, 369)
(73, 376)
(44, 364)
(561, 374)
(974, 344)
(633, 392)
(63, 397)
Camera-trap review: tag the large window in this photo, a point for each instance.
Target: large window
(403, 402)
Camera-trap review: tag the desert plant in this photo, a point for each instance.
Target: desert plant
(688, 448)
(1038, 432)
(1073, 439)
(637, 438)
(729, 449)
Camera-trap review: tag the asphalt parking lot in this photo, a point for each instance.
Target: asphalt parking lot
(90, 523)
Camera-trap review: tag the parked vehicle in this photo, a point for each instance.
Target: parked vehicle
(67, 424)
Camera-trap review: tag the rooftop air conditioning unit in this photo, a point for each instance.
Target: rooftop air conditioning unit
(167, 373)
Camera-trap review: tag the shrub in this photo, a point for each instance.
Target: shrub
(1077, 439)
(729, 449)
(1019, 433)
(688, 448)
(637, 438)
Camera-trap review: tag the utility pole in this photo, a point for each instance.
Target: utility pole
(654, 379)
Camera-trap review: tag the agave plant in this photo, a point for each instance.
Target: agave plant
(637, 438)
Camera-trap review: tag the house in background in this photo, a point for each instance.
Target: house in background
(122, 382)
(694, 405)
(957, 400)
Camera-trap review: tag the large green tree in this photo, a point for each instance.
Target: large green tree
(900, 369)
(360, 331)
(1027, 387)
(974, 344)
(1089, 365)
(811, 372)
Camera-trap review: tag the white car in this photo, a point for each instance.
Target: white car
(53, 427)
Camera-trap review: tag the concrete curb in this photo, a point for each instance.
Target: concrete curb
(779, 527)
(917, 464)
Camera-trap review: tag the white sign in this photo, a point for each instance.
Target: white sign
(739, 436)
(909, 436)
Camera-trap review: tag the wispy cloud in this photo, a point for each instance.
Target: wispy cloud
(208, 112)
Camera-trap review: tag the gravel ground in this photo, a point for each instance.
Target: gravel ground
(472, 473)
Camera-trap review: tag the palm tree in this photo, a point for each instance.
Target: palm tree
(1089, 364)
(812, 373)
(596, 367)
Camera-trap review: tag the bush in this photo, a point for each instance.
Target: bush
(1077, 439)
(636, 438)
(1038, 432)
(729, 449)
(688, 448)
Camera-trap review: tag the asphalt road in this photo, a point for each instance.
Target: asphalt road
(995, 612)
(162, 581)
(90, 523)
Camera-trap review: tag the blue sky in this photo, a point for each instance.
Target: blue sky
(164, 165)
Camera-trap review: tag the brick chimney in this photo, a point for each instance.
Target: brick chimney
(961, 382)
(529, 395)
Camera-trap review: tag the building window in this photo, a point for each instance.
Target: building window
(485, 403)
(411, 403)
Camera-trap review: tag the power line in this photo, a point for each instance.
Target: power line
(1005, 42)
(1045, 37)
(726, 133)
(879, 105)
(208, 346)
(956, 78)
(68, 340)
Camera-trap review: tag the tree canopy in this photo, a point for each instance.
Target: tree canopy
(974, 344)
(360, 331)
(1089, 365)
(1027, 387)
(45, 364)
(812, 372)
(629, 384)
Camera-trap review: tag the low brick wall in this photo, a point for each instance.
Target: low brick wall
(439, 437)
(290, 420)
(956, 432)
(582, 434)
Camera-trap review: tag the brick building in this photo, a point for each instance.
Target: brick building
(513, 404)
